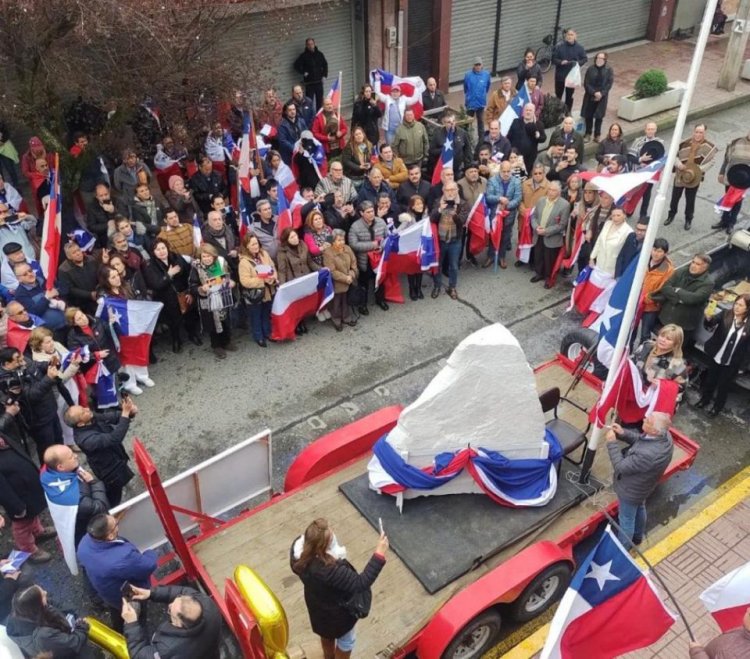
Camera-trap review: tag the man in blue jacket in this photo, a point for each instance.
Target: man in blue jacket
(503, 193)
(565, 56)
(476, 88)
(110, 561)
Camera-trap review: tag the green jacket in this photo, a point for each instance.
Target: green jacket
(410, 143)
(683, 299)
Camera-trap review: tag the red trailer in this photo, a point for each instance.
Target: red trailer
(444, 591)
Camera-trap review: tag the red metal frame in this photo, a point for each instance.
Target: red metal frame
(243, 623)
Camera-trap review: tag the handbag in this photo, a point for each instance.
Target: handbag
(253, 295)
(182, 300)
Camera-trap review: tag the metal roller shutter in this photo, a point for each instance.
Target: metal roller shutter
(606, 23)
(522, 24)
(276, 38)
(472, 35)
(419, 32)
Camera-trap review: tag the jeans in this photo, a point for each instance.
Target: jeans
(389, 135)
(450, 253)
(648, 324)
(632, 521)
(346, 642)
(690, 194)
(260, 320)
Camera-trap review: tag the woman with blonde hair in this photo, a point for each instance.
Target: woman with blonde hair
(330, 581)
(661, 359)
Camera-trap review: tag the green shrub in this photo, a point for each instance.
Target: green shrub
(553, 111)
(651, 83)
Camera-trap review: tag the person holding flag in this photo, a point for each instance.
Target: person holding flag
(394, 103)
(503, 196)
(732, 643)
(637, 470)
(526, 133)
(459, 144)
(330, 129)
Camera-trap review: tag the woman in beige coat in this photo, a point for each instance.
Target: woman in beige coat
(258, 279)
(342, 263)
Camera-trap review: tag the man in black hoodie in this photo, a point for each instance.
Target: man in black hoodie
(192, 631)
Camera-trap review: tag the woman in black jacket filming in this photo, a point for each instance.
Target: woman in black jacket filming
(37, 627)
(729, 350)
(330, 581)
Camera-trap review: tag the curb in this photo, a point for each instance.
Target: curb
(730, 493)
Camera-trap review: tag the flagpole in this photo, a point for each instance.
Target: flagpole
(653, 227)
(339, 109)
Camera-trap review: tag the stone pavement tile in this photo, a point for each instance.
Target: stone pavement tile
(727, 531)
(688, 561)
(743, 547)
(716, 540)
(740, 516)
(730, 561)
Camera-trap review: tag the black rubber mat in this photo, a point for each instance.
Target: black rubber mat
(440, 538)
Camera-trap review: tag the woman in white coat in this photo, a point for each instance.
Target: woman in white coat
(610, 241)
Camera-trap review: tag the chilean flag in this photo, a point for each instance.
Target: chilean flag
(401, 252)
(197, 235)
(514, 109)
(525, 238)
(52, 230)
(285, 218)
(591, 291)
(412, 87)
(104, 382)
(18, 335)
(134, 322)
(297, 299)
(317, 159)
(62, 491)
(286, 180)
(429, 248)
(730, 198)
(446, 157)
(477, 225)
(266, 132)
(609, 609)
(243, 164)
(619, 185)
(496, 228)
(334, 93)
(728, 599)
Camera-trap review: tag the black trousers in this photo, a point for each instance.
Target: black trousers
(561, 89)
(364, 279)
(314, 90)
(646, 200)
(690, 194)
(718, 381)
(594, 123)
(544, 258)
(729, 218)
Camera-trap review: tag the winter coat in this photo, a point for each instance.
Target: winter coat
(77, 282)
(722, 322)
(186, 207)
(683, 307)
(495, 190)
(289, 133)
(224, 243)
(21, 493)
(99, 339)
(461, 149)
(344, 186)
(180, 239)
(249, 276)
(362, 239)
(293, 263)
(164, 287)
(97, 221)
(311, 65)
(108, 563)
(476, 88)
(630, 250)
(410, 142)
(460, 217)
(366, 115)
(637, 472)
(305, 109)
(394, 173)
(368, 193)
(34, 300)
(102, 442)
(470, 191)
(126, 179)
(170, 642)
(572, 52)
(653, 281)
(530, 195)
(556, 224)
(352, 158)
(522, 136)
(597, 79)
(148, 214)
(401, 104)
(523, 74)
(33, 640)
(204, 188)
(609, 244)
(407, 190)
(266, 233)
(327, 586)
(573, 138)
(497, 104)
(431, 101)
(734, 644)
(341, 264)
(320, 132)
(607, 147)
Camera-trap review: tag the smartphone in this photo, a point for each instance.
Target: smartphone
(380, 524)
(450, 203)
(126, 590)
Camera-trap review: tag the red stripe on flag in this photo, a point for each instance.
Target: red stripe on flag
(283, 325)
(134, 349)
(731, 618)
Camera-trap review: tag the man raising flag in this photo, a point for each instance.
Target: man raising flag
(51, 232)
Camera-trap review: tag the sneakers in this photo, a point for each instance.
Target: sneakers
(40, 556)
(133, 389)
(147, 382)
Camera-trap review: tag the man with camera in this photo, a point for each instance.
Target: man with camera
(100, 436)
(113, 564)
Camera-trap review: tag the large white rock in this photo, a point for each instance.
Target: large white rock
(485, 396)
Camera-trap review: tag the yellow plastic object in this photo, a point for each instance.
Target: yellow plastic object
(266, 609)
(107, 639)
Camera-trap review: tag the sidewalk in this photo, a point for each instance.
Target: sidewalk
(674, 58)
(711, 543)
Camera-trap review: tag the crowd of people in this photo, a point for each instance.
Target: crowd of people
(170, 223)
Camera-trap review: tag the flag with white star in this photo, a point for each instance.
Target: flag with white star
(610, 608)
(61, 488)
(132, 323)
(445, 161)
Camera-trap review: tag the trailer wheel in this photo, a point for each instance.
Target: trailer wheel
(546, 588)
(576, 342)
(476, 638)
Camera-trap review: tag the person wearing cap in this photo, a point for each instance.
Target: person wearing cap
(694, 157)
(13, 254)
(476, 87)
(565, 56)
(78, 276)
(395, 105)
(729, 217)
(470, 187)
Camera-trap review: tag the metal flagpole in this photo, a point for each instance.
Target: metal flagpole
(653, 226)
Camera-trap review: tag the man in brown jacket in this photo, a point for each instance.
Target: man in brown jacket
(178, 236)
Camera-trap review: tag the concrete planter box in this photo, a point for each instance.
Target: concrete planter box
(632, 109)
(746, 70)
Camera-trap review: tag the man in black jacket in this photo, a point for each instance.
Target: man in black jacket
(100, 437)
(415, 185)
(205, 184)
(192, 632)
(22, 497)
(565, 56)
(313, 67)
(78, 276)
(461, 144)
(99, 213)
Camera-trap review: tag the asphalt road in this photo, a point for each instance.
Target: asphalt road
(300, 390)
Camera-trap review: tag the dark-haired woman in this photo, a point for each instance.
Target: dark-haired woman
(528, 68)
(729, 350)
(37, 627)
(597, 82)
(329, 580)
(293, 261)
(612, 145)
(366, 113)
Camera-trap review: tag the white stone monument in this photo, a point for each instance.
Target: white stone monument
(485, 396)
